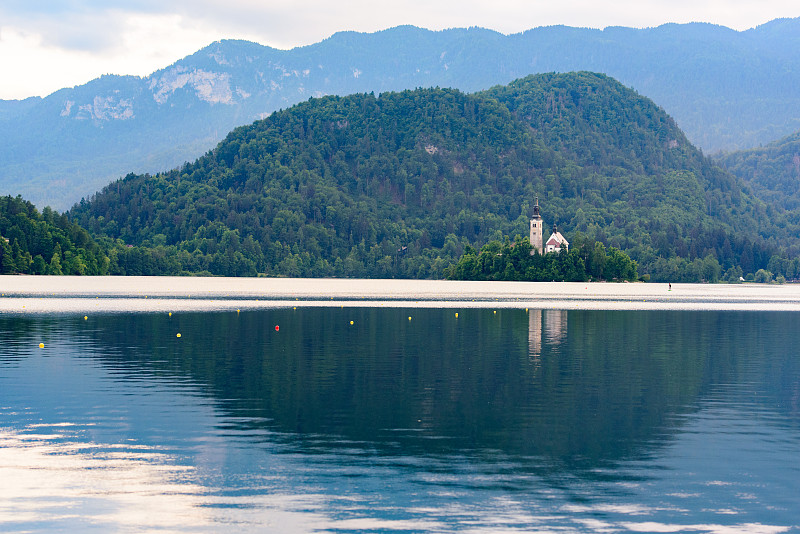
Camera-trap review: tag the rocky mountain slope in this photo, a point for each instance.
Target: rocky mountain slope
(726, 89)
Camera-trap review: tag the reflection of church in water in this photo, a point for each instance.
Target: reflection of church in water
(545, 325)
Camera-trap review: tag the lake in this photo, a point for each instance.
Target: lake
(397, 406)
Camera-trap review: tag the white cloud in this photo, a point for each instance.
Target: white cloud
(34, 66)
(46, 46)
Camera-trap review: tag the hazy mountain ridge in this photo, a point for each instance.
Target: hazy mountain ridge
(726, 89)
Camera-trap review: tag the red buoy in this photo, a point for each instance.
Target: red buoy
(277, 328)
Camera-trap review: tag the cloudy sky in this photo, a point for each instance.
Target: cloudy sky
(49, 44)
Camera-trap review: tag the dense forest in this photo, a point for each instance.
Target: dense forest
(586, 260)
(398, 185)
(772, 171)
(45, 243)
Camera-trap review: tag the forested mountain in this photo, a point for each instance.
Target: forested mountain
(45, 243)
(398, 185)
(726, 89)
(772, 171)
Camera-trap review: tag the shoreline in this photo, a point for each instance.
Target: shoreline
(74, 294)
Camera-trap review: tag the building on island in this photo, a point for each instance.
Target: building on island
(537, 225)
(555, 243)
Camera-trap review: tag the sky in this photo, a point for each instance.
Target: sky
(46, 45)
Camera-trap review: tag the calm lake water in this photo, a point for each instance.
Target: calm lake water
(394, 414)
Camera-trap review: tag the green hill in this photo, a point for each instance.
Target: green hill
(398, 185)
(772, 171)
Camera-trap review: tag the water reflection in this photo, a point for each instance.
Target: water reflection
(555, 330)
(541, 420)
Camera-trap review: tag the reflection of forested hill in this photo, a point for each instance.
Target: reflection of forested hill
(564, 386)
(397, 186)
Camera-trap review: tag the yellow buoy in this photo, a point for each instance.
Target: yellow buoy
(41, 345)
(351, 322)
(495, 311)
(409, 318)
(456, 315)
(178, 335)
(85, 317)
(170, 314)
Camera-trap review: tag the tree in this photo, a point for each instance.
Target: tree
(55, 262)
(763, 276)
(7, 263)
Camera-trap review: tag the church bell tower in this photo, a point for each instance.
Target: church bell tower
(537, 226)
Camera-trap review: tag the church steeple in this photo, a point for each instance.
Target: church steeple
(537, 225)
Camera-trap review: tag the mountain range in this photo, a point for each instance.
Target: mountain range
(726, 89)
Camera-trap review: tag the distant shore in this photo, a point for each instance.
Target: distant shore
(65, 294)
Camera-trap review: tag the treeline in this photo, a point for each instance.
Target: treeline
(45, 243)
(49, 243)
(586, 260)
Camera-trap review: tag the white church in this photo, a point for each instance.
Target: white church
(555, 243)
